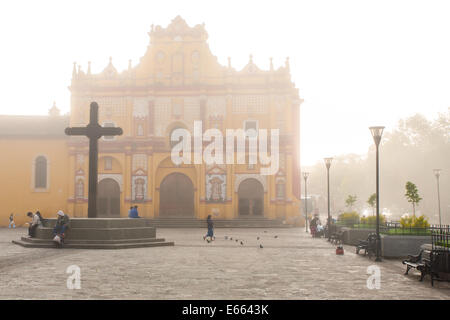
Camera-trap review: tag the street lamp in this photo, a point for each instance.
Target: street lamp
(437, 173)
(305, 176)
(328, 164)
(377, 132)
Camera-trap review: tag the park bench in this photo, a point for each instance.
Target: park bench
(369, 246)
(440, 265)
(337, 237)
(421, 262)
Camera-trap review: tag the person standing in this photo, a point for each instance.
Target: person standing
(210, 233)
(313, 226)
(11, 221)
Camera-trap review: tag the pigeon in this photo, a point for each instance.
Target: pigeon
(231, 238)
(236, 240)
(261, 246)
(276, 237)
(257, 238)
(226, 237)
(242, 243)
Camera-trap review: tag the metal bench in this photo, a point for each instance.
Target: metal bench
(421, 262)
(336, 237)
(369, 246)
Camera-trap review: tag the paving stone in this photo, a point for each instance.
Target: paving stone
(292, 266)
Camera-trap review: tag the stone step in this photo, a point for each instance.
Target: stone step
(36, 241)
(100, 233)
(238, 223)
(102, 223)
(50, 244)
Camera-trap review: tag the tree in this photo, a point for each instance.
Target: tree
(412, 195)
(372, 202)
(350, 201)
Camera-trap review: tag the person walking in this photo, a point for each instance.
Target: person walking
(11, 221)
(210, 233)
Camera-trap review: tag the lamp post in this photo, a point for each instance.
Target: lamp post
(305, 176)
(328, 164)
(377, 132)
(437, 173)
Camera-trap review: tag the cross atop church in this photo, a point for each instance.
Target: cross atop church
(94, 132)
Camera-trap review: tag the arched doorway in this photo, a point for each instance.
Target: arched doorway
(251, 198)
(176, 196)
(108, 200)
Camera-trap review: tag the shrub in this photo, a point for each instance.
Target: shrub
(372, 220)
(406, 222)
(421, 222)
(349, 218)
(412, 222)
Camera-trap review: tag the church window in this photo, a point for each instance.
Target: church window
(140, 130)
(251, 128)
(40, 179)
(281, 190)
(108, 125)
(108, 163)
(139, 162)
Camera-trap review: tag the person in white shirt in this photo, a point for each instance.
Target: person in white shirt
(35, 222)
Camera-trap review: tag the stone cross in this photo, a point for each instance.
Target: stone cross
(94, 132)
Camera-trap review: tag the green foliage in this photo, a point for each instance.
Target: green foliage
(421, 222)
(412, 195)
(372, 201)
(349, 218)
(373, 220)
(413, 222)
(350, 201)
(406, 222)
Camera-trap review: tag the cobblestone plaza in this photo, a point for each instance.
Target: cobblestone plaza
(291, 265)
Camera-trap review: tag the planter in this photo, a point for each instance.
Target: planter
(401, 246)
(352, 236)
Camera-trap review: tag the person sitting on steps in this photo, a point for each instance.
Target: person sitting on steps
(33, 225)
(62, 224)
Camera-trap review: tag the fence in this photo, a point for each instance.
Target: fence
(395, 228)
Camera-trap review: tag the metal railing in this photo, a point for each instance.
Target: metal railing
(395, 228)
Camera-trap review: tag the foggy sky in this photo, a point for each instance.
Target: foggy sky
(356, 63)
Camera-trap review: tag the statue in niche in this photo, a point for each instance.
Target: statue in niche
(139, 189)
(216, 189)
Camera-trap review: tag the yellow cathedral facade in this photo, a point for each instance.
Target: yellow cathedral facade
(177, 81)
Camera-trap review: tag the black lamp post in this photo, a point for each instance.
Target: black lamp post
(377, 132)
(328, 164)
(305, 176)
(437, 173)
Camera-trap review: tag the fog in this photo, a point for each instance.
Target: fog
(408, 152)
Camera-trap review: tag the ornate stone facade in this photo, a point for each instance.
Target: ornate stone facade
(176, 82)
